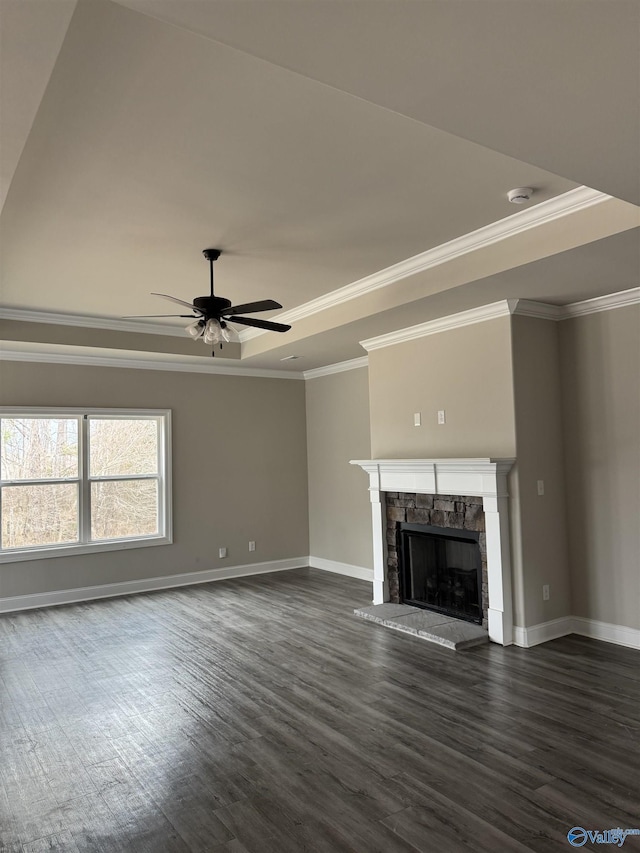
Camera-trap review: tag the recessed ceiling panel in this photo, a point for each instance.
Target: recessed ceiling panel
(556, 84)
(153, 143)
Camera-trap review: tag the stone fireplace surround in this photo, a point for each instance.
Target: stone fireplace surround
(481, 477)
(446, 512)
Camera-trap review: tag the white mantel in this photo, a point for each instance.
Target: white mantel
(486, 478)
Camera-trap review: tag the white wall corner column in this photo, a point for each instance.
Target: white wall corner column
(379, 526)
(500, 615)
(486, 478)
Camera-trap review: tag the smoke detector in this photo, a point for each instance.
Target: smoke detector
(521, 195)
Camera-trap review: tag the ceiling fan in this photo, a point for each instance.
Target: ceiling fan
(212, 314)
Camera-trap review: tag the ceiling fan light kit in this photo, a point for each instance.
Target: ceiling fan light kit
(196, 329)
(211, 314)
(215, 333)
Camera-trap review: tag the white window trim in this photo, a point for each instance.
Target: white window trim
(165, 504)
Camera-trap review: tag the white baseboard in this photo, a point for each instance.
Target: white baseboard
(545, 631)
(109, 590)
(524, 637)
(341, 568)
(622, 635)
(542, 633)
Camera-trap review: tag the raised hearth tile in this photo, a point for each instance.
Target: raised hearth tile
(418, 621)
(456, 634)
(426, 624)
(381, 612)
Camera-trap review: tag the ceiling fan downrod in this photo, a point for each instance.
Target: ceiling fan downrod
(211, 255)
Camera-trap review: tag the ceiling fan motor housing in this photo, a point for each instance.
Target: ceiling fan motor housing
(211, 305)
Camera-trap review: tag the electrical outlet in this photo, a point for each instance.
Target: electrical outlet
(441, 416)
(541, 487)
(222, 552)
(252, 545)
(417, 419)
(545, 592)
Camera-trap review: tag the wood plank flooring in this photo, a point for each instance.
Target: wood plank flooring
(259, 715)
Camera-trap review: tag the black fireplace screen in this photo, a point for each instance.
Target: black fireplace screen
(441, 569)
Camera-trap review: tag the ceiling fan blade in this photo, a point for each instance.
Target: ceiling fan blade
(260, 324)
(136, 316)
(179, 302)
(250, 307)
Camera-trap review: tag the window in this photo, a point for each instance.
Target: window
(78, 481)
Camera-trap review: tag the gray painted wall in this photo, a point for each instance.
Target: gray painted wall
(564, 398)
(239, 469)
(337, 431)
(601, 405)
(466, 372)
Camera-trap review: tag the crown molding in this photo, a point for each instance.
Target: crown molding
(622, 299)
(95, 357)
(520, 307)
(443, 324)
(544, 311)
(543, 213)
(339, 367)
(112, 324)
(541, 310)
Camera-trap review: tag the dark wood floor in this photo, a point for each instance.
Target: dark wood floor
(259, 715)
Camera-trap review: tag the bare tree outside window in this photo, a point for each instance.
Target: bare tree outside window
(121, 447)
(54, 493)
(123, 507)
(39, 449)
(39, 515)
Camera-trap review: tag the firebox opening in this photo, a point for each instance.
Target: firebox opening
(441, 569)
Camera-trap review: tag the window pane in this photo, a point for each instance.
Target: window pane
(121, 447)
(121, 508)
(39, 515)
(37, 448)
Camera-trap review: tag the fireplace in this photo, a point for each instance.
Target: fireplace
(451, 521)
(429, 480)
(440, 569)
